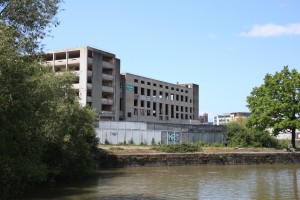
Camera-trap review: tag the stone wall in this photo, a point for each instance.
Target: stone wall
(177, 159)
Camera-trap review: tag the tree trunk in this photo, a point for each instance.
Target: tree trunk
(293, 137)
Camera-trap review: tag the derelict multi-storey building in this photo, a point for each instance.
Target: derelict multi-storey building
(149, 100)
(125, 97)
(97, 77)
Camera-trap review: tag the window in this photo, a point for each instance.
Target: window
(160, 94)
(142, 103)
(177, 97)
(177, 89)
(148, 92)
(142, 112)
(172, 97)
(135, 90)
(129, 114)
(154, 93)
(148, 113)
(136, 81)
(148, 104)
(160, 86)
(167, 95)
(154, 84)
(135, 102)
(160, 108)
(154, 109)
(135, 111)
(181, 99)
(142, 91)
(177, 108)
(142, 82)
(167, 87)
(148, 83)
(186, 99)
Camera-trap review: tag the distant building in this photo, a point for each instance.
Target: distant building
(228, 117)
(203, 119)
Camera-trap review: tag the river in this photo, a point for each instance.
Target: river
(182, 182)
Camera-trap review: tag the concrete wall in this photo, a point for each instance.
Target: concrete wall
(178, 159)
(141, 132)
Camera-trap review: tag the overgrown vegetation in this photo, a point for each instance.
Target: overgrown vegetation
(45, 134)
(238, 135)
(179, 148)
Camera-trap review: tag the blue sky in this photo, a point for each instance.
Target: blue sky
(224, 46)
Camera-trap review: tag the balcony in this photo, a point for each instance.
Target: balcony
(89, 86)
(89, 99)
(107, 77)
(108, 65)
(76, 86)
(107, 89)
(107, 101)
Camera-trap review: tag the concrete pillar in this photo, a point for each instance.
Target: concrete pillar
(97, 82)
(83, 76)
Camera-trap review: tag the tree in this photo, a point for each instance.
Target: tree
(29, 19)
(276, 104)
(237, 134)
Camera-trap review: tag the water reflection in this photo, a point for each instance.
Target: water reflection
(185, 182)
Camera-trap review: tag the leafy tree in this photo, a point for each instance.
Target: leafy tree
(30, 20)
(45, 134)
(276, 104)
(237, 134)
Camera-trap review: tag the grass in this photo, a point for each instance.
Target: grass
(179, 148)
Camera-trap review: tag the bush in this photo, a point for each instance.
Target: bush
(179, 148)
(239, 135)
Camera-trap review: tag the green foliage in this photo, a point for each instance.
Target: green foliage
(276, 103)
(153, 142)
(239, 135)
(179, 148)
(29, 19)
(45, 134)
(131, 141)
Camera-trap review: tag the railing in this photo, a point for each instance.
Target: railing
(107, 89)
(108, 65)
(107, 101)
(107, 77)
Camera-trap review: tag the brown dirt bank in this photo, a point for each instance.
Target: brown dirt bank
(127, 150)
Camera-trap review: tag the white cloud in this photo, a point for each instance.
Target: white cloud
(269, 30)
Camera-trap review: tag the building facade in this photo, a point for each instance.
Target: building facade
(126, 97)
(228, 117)
(149, 100)
(97, 77)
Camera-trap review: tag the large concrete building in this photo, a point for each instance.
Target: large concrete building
(149, 100)
(126, 97)
(97, 77)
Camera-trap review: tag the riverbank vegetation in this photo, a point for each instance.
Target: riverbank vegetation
(45, 134)
(238, 135)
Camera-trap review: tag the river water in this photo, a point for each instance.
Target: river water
(182, 182)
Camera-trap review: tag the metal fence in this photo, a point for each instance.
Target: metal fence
(147, 133)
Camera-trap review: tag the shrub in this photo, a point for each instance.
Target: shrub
(179, 148)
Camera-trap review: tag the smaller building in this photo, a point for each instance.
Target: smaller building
(229, 117)
(203, 119)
